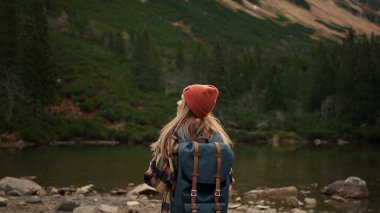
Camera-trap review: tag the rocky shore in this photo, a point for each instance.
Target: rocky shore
(22, 195)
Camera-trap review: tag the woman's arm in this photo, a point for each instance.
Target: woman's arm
(159, 173)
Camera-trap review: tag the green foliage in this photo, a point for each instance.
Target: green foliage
(38, 73)
(115, 70)
(199, 64)
(218, 74)
(274, 97)
(323, 78)
(146, 68)
(135, 133)
(180, 58)
(11, 89)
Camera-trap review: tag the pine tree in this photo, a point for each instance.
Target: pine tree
(200, 64)
(363, 96)
(147, 67)
(119, 44)
(10, 86)
(39, 75)
(323, 78)
(180, 58)
(375, 55)
(274, 97)
(217, 74)
(345, 76)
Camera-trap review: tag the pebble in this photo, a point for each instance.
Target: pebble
(56, 196)
(67, 206)
(293, 202)
(295, 210)
(3, 201)
(234, 205)
(310, 202)
(2, 193)
(133, 203)
(108, 209)
(85, 189)
(85, 209)
(53, 190)
(21, 203)
(14, 193)
(261, 207)
(34, 199)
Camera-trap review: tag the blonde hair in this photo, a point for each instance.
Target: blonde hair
(187, 122)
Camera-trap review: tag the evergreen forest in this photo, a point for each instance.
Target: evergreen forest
(114, 70)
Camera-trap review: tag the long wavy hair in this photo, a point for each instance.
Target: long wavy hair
(190, 127)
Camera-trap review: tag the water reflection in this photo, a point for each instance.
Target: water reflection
(255, 166)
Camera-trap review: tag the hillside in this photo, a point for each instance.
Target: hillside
(328, 18)
(118, 67)
(240, 21)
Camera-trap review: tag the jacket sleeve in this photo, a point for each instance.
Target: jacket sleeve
(158, 173)
(232, 180)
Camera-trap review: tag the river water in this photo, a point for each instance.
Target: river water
(255, 166)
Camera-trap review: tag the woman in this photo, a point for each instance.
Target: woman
(193, 122)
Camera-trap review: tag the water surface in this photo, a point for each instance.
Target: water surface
(255, 166)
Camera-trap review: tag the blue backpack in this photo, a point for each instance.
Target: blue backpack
(204, 176)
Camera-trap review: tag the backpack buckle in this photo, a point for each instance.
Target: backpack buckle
(217, 192)
(218, 211)
(194, 211)
(193, 193)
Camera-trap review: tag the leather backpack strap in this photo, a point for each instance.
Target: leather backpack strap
(218, 209)
(194, 208)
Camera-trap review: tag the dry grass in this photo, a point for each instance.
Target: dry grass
(70, 109)
(186, 29)
(325, 10)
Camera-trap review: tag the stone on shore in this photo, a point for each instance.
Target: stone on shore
(352, 187)
(234, 205)
(85, 209)
(33, 200)
(142, 189)
(310, 203)
(133, 203)
(14, 193)
(108, 209)
(25, 186)
(119, 192)
(67, 206)
(66, 190)
(349, 205)
(295, 210)
(293, 202)
(261, 209)
(3, 201)
(85, 189)
(52, 190)
(272, 193)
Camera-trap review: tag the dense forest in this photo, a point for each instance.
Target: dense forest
(124, 86)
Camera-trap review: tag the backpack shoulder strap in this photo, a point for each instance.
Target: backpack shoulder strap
(218, 209)
(194, 180)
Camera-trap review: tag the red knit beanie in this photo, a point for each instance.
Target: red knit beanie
(201, 99)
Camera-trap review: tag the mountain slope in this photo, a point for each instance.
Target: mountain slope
(328, 17)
